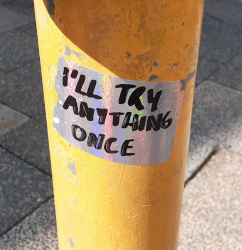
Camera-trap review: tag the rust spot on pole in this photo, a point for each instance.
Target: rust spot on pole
(71, 242)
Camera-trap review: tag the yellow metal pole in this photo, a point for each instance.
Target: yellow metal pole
(118, 181)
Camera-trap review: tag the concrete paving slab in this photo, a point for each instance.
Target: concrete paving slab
(37, 231)
(219, 43)
(216, 120)
(228, 11)
(29, 141)
(212, 205)
(9, 119)
(22, 189)
(25, 11)
(205, 68)
(199, 149)
(16, 49)
(19, 6)
(18, 3)
(230, 74)
(22, 90)
(11, 19)
(29, 29)
(205, 15)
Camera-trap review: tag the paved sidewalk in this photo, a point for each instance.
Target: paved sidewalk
(212, 207)
(211, 216)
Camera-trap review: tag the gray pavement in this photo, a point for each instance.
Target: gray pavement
(212, 206)
(211, 215)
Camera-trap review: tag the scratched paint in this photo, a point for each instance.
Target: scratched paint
(72, 168)
(71, 242)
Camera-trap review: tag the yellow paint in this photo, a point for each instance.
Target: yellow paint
(109, 205)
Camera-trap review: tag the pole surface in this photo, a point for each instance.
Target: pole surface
(100, 203)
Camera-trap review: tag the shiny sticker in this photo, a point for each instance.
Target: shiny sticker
(119, 120)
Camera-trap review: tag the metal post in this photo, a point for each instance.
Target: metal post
(118, 80)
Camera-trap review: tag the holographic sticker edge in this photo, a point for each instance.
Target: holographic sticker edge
(119, 120)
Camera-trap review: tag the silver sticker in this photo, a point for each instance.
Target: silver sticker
(119, 120)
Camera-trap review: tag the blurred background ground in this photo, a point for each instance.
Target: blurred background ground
(212, 207)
